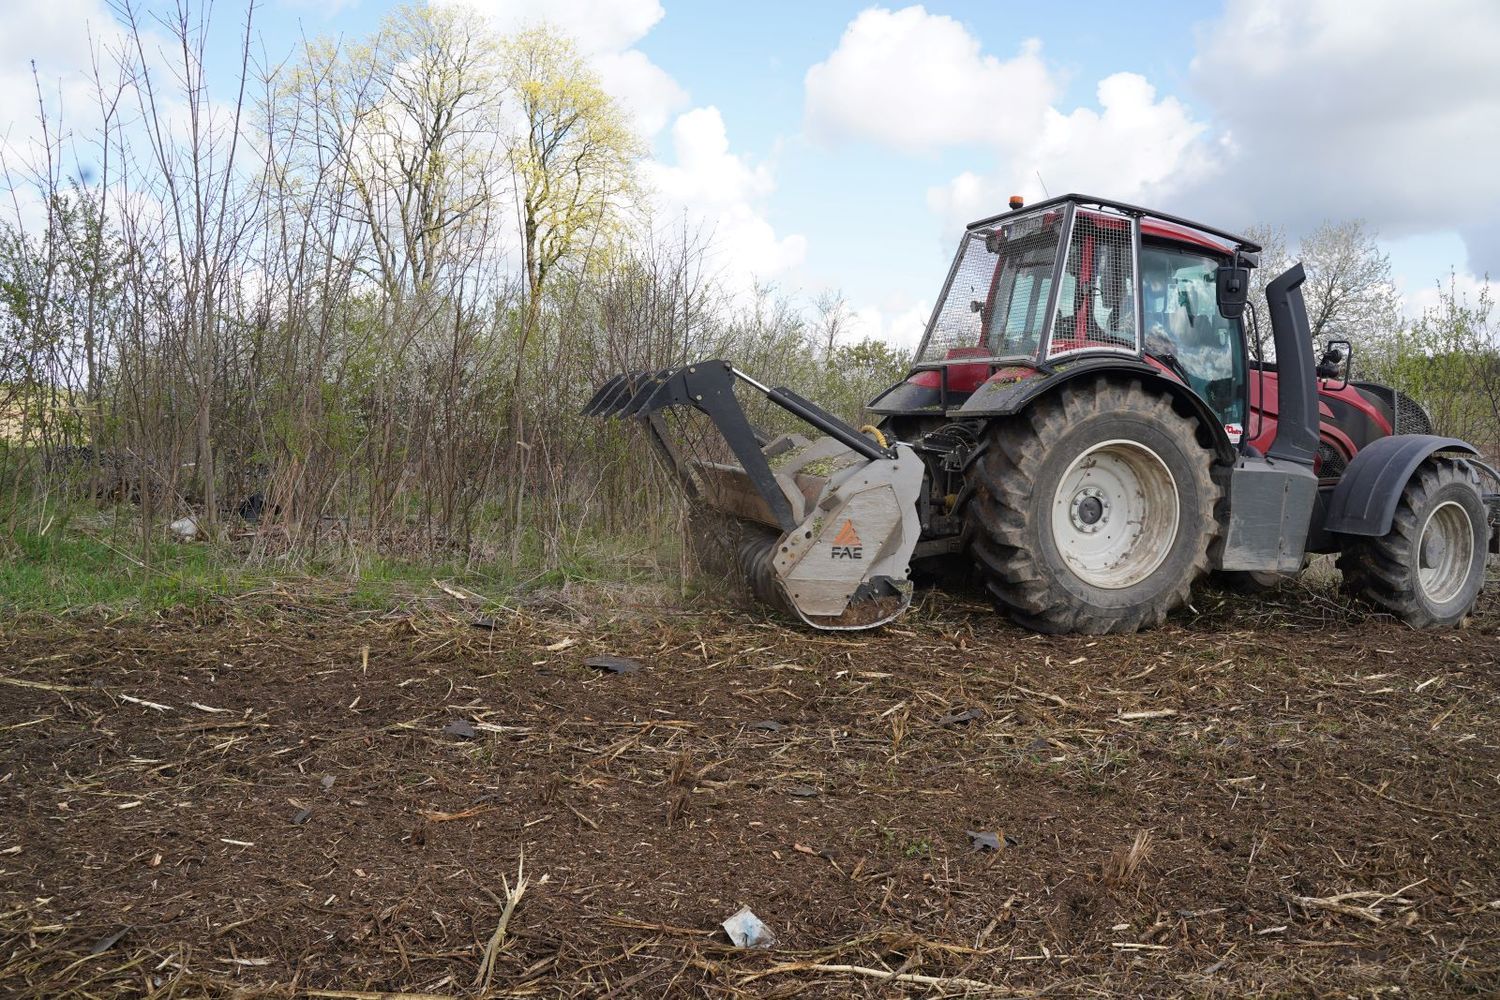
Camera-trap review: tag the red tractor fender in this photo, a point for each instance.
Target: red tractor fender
(1005, 394)
(1364, 502)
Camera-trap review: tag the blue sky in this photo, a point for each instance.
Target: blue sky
(841, 145)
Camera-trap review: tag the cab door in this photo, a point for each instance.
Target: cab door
(1185, 332)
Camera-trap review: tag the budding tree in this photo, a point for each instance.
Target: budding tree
(573, 156)
(1349, 291)
(407, 125)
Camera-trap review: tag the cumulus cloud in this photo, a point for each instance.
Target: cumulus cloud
(596, 25)
(723, 193)
(1378, 109)
(644, 88)
(60, 39)
(55, 36)
(1135, 147)
(918, 81)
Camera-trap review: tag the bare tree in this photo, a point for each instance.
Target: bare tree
(361, 311)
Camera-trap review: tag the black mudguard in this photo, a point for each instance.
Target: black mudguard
(1007, 397)
(1364, 502)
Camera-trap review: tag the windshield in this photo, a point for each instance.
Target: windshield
(995, 305)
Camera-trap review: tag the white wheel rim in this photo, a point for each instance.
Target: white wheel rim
(1445, 550)
(1115, 514)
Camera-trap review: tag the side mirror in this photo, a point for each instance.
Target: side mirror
(1332, 364)
(1234, 291)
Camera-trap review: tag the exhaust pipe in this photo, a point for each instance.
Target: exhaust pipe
(1297, 387)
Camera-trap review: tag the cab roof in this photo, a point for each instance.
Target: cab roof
(1153, 223)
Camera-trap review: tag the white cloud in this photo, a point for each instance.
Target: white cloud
(1134, 148)
(902, 327)
(918, 81)
(644, 88)
(1465, 287)
(714, 189)
(1380, 109)
(605, 32)
(59, 37)
(723, 193)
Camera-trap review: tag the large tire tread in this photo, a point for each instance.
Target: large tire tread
(1380, 570)
(1006, 473)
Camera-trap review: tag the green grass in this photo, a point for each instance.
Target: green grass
(85, 560)
(66, 570)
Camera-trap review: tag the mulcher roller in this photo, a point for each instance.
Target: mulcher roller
(824, 528)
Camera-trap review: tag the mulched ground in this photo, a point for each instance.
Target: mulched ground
(1278, 797)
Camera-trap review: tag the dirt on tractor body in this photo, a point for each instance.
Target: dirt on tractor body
(1273, 797)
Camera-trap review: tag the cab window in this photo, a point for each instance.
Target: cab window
(1186, 332)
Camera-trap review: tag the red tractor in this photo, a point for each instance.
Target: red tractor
(1088, 424)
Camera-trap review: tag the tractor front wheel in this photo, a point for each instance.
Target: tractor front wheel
(1428, 569)
(1093, 510)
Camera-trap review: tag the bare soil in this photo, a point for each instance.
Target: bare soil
(1268, 797)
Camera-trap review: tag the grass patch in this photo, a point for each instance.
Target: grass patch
(88, 560)
(66, 570)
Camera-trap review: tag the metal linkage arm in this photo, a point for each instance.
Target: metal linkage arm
(709, 388)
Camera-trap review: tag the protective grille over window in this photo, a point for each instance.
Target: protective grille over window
(1096, 302)
(995, 306)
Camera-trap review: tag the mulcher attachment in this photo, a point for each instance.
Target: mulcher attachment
(825, 527)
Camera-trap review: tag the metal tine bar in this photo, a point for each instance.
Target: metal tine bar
(598, 402)
(640, 402)
(619, 406)
(628, 385)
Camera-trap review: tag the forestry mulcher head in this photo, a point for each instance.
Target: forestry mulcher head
(824, 528)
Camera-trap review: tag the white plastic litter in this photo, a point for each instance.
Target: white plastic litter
(746, 931)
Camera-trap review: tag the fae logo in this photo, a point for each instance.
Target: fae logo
(846, 544)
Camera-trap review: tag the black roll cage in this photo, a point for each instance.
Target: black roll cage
(1241, 250)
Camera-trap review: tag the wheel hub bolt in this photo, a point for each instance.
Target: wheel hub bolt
(1090, 509)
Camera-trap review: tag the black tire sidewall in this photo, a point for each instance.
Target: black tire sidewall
(1467, 497)
(1183, 458)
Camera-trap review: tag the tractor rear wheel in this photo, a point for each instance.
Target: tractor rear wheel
(1429, 568)
(1093, 510)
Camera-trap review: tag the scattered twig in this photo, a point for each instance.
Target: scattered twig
(512, 898)
(944, 982)
(154, 705)
(374, 995)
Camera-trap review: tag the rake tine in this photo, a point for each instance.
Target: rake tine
(605, 394)
(626, 387)
(641, 400)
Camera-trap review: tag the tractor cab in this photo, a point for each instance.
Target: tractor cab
(1040, 288)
